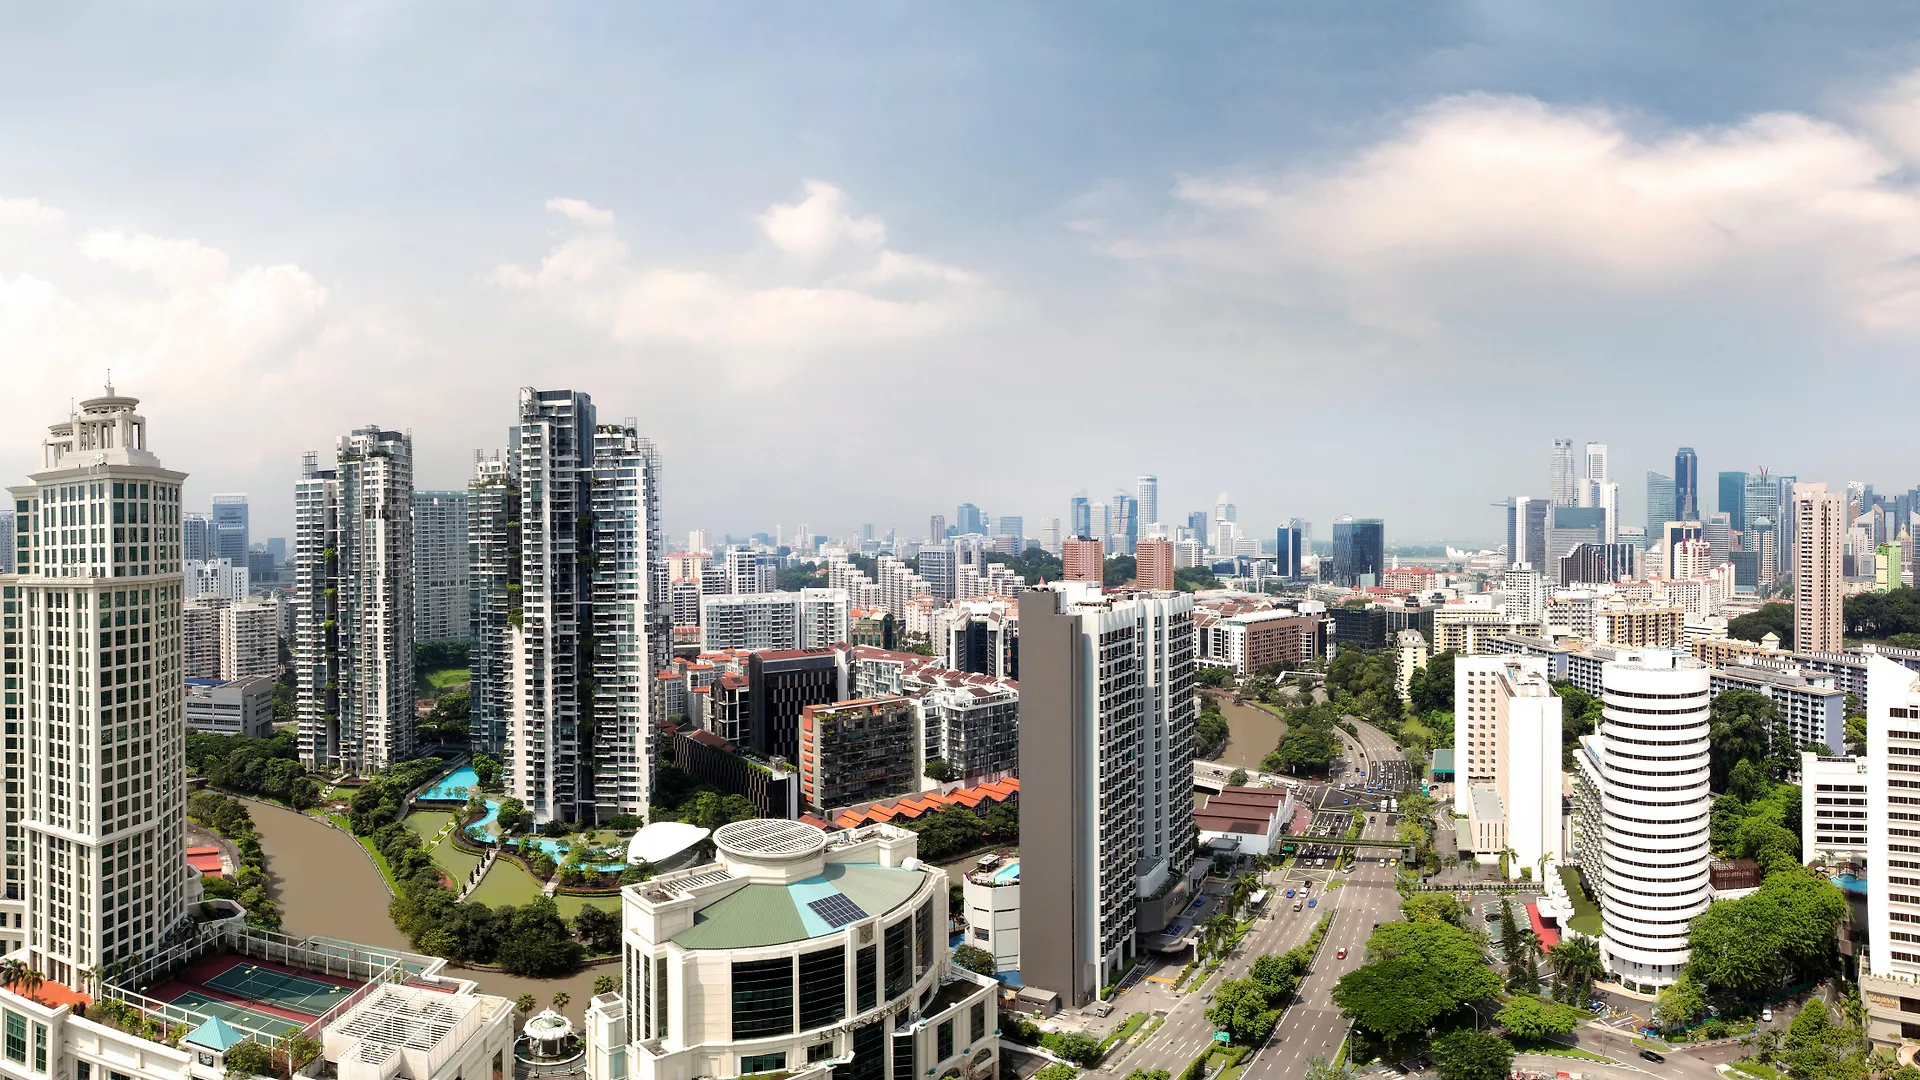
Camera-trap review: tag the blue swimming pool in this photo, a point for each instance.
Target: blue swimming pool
(454, 785)
(557, 851)
(1852, 883)
(1008, 874)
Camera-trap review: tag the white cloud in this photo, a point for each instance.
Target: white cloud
(1511, 187)
(762, 316)
(819, 226)
(28, 212)
(583, 212)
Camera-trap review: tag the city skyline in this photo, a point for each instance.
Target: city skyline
(312, 257)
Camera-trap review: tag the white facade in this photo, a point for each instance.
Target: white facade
(632, 623)
(249, 640)
(1819, 585)
(1893, 817)
(440, 566)
(231, 707)
(1833, 808)
(992, 894)
(1507, 740)
(750, 571)
(1656, 807)
(218, 579)
(799, 953)
(92, 626)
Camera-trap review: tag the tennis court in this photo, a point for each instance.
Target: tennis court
(279, 988)
(254, 1019)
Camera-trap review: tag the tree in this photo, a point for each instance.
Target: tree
(1680, 1003)
(486, 769)
(1526, 1016)
(598, 929)
(1777, 618)
(525, 1003)
(513, 816)
(250, 1058)
(604, 984)
(975, 959)
(1415, 974)
(941, 771)
(560, 999)
(1740, 728)
(1467, 1054)
(1781, 934)
(1432, 686)
(1240, 1009)
(1149, 1074)
(1434, 907)
(1055, 1071)
(1119, 570)
(1237, 778)
(1076, 1046)
(1320, 1068)
(1576, 964)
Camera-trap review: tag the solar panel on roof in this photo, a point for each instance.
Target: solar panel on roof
(837, 910)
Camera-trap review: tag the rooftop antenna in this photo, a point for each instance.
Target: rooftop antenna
(109, 382)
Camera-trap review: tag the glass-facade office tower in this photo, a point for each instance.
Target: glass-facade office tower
(1146, 490)
(1660, 502)
(94, 708)
(1286, 548)
(1359, 551)
(230, 537)
(1733, 499)
(1686, 485)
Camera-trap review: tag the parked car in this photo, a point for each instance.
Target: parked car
(1766, 1015)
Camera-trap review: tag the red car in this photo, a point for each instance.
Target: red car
(1342, 954)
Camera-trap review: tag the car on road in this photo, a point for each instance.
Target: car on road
(1342, 954)
(1289, 894)
(1296, 905)
(1313, 901)
(1652, 1056)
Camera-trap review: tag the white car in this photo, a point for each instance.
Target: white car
(1766, 1015)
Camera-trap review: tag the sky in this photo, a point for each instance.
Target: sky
(856, 262)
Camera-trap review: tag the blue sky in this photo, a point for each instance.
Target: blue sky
(862, 262)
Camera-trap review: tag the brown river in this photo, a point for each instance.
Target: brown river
(325, 884)
(1252, 733)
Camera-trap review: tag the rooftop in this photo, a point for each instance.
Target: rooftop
(769, 914)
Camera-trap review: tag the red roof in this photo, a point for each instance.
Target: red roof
(909, 807)
(205, 859)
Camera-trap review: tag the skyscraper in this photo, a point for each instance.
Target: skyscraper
(1146, 489)
(1080, 516)
(1107, 717)
(1154, 564)
(1359, 551)
(1660, 501)
(1597, 463)
(936, 528)
(1560, 475)
(1082, 559)
(1733, 500)
(493, 595)
(230, 536)
(353, 597)
(1286, 550)
(1818, 583)
(1197, 526)
(96, 868)
(440, 566)
(1527, 520)
(969, 520)
(1686, 485)
(1126, 523)
(593, 582)
(197, 540)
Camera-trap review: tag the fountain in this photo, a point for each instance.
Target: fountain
(547, 1044)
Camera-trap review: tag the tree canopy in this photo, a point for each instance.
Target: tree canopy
(1431, 689)
(1526, 1016)
(1580, 714)
(1777, 618)
(1416, 973)
(1877, 616)
(1779, 935)
(1467, 1054)
(1740, 727)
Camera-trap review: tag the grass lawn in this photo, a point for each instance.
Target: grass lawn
(446, 679)
(506, 883)
(426, 824)
(1586, 914)
(570, 905)
(1542, 1046)
(1750, 1067)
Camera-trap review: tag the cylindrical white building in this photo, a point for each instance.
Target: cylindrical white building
(1656, 812)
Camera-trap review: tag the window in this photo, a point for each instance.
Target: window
(819, 1052)
(923, 933)
(17, 1038)
(979, 1021)
(899, 958)
(869, 1046)
(39, 1048)
(762, 998)
(762, 1063)
(945, 1040)
(980, 933)
(823, 987)
(866, 978)
(902, 1056)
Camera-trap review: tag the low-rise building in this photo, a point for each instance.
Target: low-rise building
(992, 894)
(1833, 809)
(1252, 819)
(1814, 708)
(859, 751)
(1410, 655)
(231, 706)
(798, 952)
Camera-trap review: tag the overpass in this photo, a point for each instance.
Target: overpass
(1211, 777)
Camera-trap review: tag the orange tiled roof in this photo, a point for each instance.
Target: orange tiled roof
(910, 807)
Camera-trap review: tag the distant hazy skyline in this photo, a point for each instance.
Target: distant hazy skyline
(863, 262)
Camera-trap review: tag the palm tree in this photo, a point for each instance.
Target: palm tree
(1507, 855)
(1764, 1043)
(1545, 860)
(525, 1003)
(30, 981)
(92, 979)
(604, 984)
(1576, 963)
(560, 999)
(11, 973)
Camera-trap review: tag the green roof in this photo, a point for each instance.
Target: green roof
(763, 914)
(216, 1034)
(1443, 760)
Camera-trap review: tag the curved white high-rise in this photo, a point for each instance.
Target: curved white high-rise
(1656, 811)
